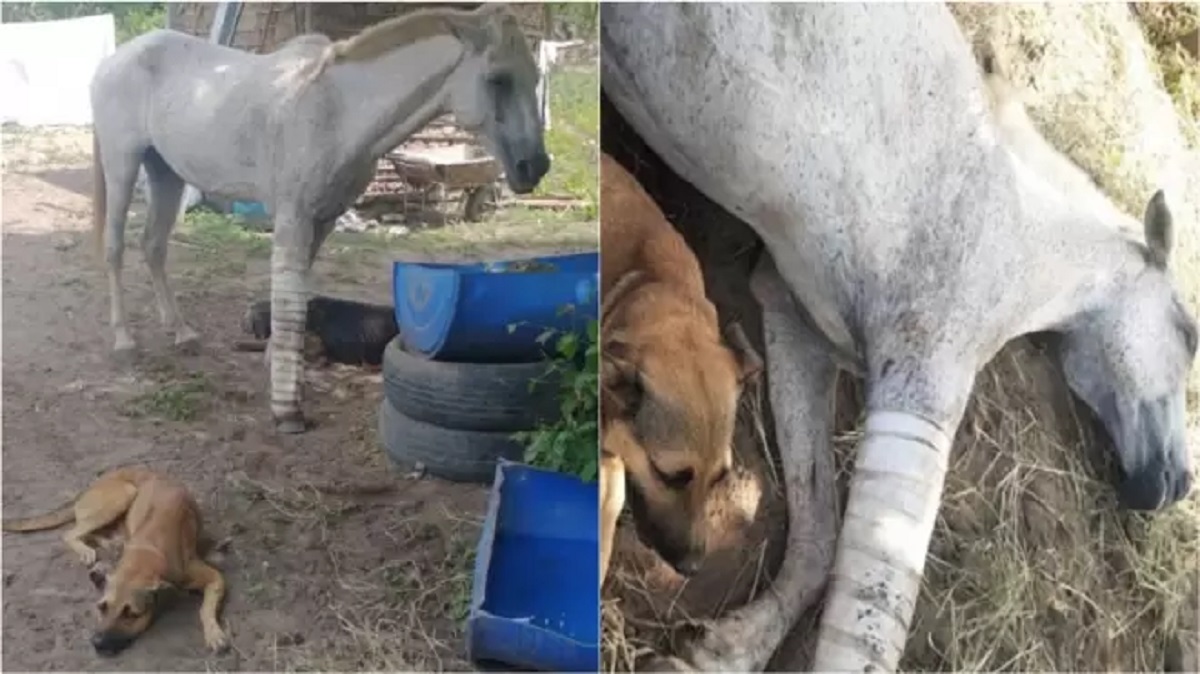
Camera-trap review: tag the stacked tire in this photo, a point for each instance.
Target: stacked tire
(455, 420)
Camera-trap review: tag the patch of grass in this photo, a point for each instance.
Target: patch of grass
(570, 444)
(512, 228)
(406, 615)
(573, 138)
(219, 233)
(180, 400)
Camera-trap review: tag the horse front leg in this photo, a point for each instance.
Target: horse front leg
(291, 261)
(801, 378)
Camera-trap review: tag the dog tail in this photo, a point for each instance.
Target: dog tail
(99, 196)
(52, 520)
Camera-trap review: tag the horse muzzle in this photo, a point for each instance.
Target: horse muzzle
(527, 172)
(1154, 487)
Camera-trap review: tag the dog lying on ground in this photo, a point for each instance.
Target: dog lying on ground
(336, 330)
(160, 523)
(669, 384)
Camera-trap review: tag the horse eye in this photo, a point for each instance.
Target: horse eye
(500, 80)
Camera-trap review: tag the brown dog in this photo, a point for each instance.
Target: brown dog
(669, 383)
(161, 528)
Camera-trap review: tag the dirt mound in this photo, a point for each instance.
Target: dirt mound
(1032, 566)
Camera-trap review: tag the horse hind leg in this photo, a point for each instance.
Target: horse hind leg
(166, 191)
(120, 167)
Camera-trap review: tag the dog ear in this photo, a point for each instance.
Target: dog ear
(146, 596)
(620, 379)
(750, 363)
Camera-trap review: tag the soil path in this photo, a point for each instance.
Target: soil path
(370, 573)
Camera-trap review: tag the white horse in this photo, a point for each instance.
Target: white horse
(857, 142)
(299, 129)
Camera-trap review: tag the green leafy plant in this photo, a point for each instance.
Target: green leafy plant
(571, 443)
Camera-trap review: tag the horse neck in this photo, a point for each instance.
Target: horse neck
(1077, 248)
(387, 99)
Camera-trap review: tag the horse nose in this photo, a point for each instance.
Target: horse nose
(1183, 485)
(532, 169)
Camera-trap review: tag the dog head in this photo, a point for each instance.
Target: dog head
(670, 389)
(126, 608)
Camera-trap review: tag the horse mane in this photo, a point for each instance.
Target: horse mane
(1029, 147)
(403, 30)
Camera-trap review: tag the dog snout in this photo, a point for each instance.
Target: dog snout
(108, 644)
(689, 565)
(685, 558)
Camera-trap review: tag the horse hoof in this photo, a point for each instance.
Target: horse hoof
(125, 355)
(291, 425)
(188, 345)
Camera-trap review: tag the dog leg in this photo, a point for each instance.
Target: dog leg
(97, 508)
(801, 376)
(612, 500)
(201, 576)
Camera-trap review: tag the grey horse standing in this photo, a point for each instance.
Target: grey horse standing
(909, 243)
(299, 129)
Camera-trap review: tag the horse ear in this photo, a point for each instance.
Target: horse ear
(1160, 229)
(749, 362)
(620, 378)
(473, 29)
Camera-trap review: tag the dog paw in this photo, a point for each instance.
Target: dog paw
(216, 640)
(88, 557)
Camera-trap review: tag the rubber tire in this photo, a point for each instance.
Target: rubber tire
(469, 396)
(451, 454)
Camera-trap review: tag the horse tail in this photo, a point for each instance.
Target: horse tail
(99, 195)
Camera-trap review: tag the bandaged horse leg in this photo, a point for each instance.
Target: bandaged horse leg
(290, 264)
(801, 379)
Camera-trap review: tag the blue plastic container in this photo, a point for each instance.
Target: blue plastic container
(248, 209)
(535, 603)
(463, 312)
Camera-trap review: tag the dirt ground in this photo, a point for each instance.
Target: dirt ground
(336, 561)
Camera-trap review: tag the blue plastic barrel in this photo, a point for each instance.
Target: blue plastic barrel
(493, 311)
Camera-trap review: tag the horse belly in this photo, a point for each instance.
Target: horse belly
(819, 125)
(209, 122)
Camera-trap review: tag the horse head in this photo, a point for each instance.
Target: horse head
(1129, 362)
(495, 93)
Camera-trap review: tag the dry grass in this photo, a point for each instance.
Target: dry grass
(383, 615)
(1032, 566)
